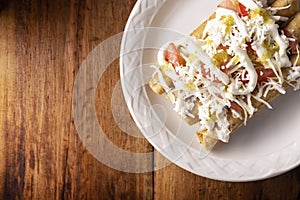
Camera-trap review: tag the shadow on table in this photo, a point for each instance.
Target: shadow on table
(3, 4)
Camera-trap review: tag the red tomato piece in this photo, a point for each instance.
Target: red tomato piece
(293, 43)
(224, 69)
(172, 56)
(243, 10)
(236, 107)
(287, 33)
(235, 6)
(244, 79)
(264, 74)
(222, 47)
(230, 4)
(251, 51)
(294, 46)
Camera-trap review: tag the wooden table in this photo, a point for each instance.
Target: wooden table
(42, 44)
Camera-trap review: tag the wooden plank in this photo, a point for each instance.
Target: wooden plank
(173, 182)
(42, 44)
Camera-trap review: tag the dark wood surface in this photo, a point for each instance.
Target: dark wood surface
(42, 44)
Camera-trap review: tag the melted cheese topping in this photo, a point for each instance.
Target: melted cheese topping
(223, 68)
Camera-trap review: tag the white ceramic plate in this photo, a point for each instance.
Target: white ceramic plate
(269, 145)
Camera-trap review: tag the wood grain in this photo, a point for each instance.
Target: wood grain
(175, 183)
(42, 44)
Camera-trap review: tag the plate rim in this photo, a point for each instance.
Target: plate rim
(139, 6)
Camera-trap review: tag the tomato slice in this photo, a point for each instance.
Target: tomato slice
(287, 33)
(243, 10)
(292, 43)
(263, 75)
(235, 6)
(172, 56)
(236, 107)
(224, 69)
(222, 47)
(249, 48)
(294, 46)
(251, 52)
(230, 4)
